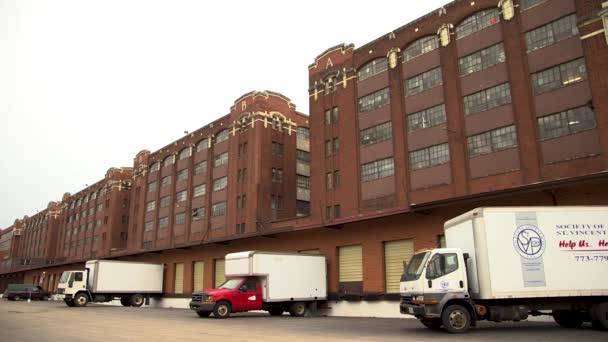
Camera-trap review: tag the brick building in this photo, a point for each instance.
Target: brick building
(476, 104)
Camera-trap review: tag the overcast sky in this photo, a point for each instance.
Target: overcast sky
(85, 85)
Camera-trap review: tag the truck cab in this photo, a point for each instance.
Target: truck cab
(71, 284)
(435, 281)
(234, 295)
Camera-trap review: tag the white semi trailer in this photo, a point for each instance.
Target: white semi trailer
(105, 280)
(507, 263)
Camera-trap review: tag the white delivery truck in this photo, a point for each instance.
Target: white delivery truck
(506, 263)
(105, 280)
(274, 282)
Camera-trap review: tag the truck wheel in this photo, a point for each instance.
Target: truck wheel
(276, 312)
(567, 318)
(433, 324)
(599, 316)
(203, 313)
(222, 310)
(456, 319)
(297, 309)
(125, 301)
(81, 299)
(137, 300)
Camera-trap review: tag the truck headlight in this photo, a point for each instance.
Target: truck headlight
(209, 299)
(418, 298)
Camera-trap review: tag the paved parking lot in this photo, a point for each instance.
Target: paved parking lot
(53, 321)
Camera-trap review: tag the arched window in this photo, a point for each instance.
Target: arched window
(169, 160)
(202, 145)
(154, 167)
(420, 47)
(372, 68)
(244, 121)
(222, 136)
(331, 84)
(277, 121)
(185, 153)
(477, 22)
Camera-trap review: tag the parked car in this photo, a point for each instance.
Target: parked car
(25, 291)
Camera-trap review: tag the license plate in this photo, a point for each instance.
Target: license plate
(410, 310)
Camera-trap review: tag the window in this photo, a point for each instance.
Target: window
(376, 134)
(180, 218)
(424, 81)
(329, 181)
(98, 223)
(181, 196)
(335, 116)
(336, 179)
(241, 175)
(198, 214)
(477, 22)
(551, 33)
(152, 186)
(150, 206)
(303, 133)
(277, 149)
(218, 209)
(377, 169)
(165, 181)
(163, 222)
(222, 136)
(154, 167)
(147, 244)
(328, 148)
(276, 202)
(220, 183)
(481, 59)
(420, 47)
(185, 153)
(182, 175)
(200, 167)
(492, 141)
(373, 68)
(328, 117)
(199, 190)
(336, 145)
(567, 122)
(169, 160)
(220, 160)
(277, 175)
(441, 264)
(374, 100)
(149, 226)
(330, 84)
(487, 99)
(336, 211)
(165, 201)
(303, 156)
(526, 4)
(426, 118)
(240, 228)
(202, 145)
(559, 76)
(243, 149)
(302, 208)
(430, 156)
(303, 182)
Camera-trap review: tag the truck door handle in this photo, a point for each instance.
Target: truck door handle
(430, 283)
(461, 284)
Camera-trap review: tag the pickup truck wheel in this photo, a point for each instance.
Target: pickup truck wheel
(456, 319)
(433, 324)
(125, 301)
(222, 310)
(203, 313)
(137, 300)
(81, 299)
(567, 318)
(276, 312)
(297, 309)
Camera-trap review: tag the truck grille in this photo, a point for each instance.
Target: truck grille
(60, 291)
(199, 297)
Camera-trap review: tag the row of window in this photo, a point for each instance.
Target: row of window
(197, 214)
(187, 152)
(91, 211)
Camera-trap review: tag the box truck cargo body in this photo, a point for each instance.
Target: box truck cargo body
(104, 280)
(275, 282)
(510, 262)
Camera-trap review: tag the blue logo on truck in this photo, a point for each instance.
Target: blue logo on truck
(529, 241)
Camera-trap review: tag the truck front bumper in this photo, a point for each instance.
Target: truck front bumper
(412, 309)
(202, 306)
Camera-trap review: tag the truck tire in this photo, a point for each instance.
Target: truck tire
(599, 316)
(125, 301)
(456, 319)
(137, 300)
(69, 303)
(81, 299)
(297, 309)
(433, 324)
(222, 310)
(203, 313)
(567, 318)
(276, 312)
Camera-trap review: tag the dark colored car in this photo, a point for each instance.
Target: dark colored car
(25, 291)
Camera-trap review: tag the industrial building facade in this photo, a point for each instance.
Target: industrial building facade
(476, 104)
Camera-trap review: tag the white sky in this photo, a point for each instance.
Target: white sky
(85, 85)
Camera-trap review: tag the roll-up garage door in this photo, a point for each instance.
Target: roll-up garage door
(350, 260)
(199, 269)
(220, 275)
(395, 253)
(179, 278)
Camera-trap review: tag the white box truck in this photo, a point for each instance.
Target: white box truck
(274, 282)
(105, 280)
(506, 263)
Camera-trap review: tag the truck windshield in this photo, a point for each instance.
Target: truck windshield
(414, 269)
(64, 277)
(230, 284)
